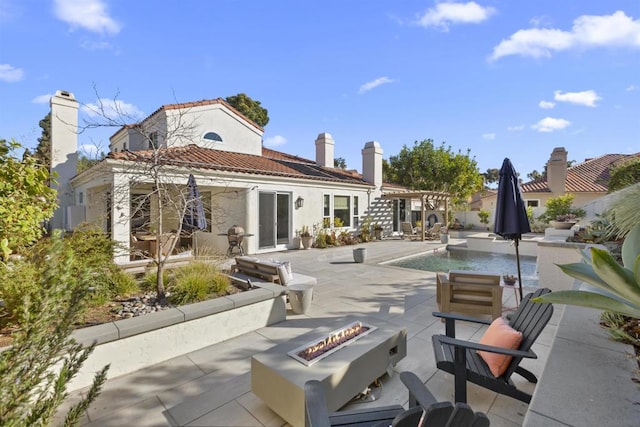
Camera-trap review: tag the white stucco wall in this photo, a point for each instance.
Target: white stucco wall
(237, 135)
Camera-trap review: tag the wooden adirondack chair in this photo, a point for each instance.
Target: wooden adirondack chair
(422, 406)
(459, 357)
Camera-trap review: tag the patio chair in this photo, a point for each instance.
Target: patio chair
(139, 248)
(422, 407)
(410, 231)
(434, 232)
(461, 358)
(469, 292)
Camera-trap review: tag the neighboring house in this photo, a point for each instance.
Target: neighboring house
(587, 181)
(271, 194)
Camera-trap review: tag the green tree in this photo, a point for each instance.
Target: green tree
(26, 200)
(43, 150)
(624, 175)
(491, 176)
(535, 175)
(43, 358)
(340, 162)
(484, 217)
(426, 167)
(250, 108)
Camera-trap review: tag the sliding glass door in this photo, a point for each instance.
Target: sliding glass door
(274, 211)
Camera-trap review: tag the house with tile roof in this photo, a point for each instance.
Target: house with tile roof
(587, 180)
(270, 194)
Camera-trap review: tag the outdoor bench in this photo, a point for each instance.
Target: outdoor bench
(250, 268)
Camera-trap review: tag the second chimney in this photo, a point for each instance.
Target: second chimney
(557, 171)
(324, 150)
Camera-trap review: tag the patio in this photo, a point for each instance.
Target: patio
(211, 386)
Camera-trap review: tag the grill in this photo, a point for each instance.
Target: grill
(235, 236)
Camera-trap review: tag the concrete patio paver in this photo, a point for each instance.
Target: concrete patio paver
(211, 386)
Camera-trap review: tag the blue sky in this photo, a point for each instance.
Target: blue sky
(502, 78)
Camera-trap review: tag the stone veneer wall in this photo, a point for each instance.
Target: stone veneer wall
(131, 344)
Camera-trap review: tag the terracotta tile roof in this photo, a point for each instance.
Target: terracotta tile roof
(191, 104)
(592, 175)
(279, 155)
(274, 163)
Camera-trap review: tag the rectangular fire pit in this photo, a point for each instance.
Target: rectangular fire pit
(278, 379)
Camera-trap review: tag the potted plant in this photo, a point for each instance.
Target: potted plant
(509, 279)
(564, 221)
(444, 235)
(306, 237)
(560, 214)
(377, 230)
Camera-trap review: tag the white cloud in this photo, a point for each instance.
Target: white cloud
(92, 15)
(10, 74)
(516, 128)
(42, 99)
(489, 136)
(445, 14)
(112, 109)
(631, 88)
(275, 141)
(373, 84)
(588, 31)
(547, 105)
(93, 45)
(550, 124)
(587, 98)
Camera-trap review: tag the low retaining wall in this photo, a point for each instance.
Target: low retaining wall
(135, 343)
(489, 242)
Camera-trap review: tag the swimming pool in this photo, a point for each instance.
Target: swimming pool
(445, 260)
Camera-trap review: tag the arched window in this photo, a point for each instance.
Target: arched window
(212, 136)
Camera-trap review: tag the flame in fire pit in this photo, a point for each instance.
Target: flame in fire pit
(313, 352)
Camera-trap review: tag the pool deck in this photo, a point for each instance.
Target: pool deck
(211, 386)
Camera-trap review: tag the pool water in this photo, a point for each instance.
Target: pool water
(502, 264)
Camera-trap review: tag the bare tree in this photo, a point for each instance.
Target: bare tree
(151, 171)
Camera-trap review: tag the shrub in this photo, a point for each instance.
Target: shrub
(193, 283)
(148, 282)
(220, 284)
(18, 281)
(484, 216)
(124, 283)
(93, 252)
(35, 370)
(346, 238)
(559, 206)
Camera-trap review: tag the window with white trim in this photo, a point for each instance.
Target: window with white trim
(212, 137)
(342, 209)
(533, 203)
(356, 214)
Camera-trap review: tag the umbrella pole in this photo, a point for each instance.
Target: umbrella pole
(519, 273)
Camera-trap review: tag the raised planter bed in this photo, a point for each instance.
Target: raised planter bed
(135, 343)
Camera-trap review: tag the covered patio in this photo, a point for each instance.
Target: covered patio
(429, 201)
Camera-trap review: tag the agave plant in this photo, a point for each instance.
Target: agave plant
(599, 269)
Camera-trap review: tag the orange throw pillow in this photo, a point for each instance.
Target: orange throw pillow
(499, 334)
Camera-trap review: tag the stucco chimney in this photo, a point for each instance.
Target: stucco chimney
(372, 163)
(324, 150)
(64, 151)
(557, 171)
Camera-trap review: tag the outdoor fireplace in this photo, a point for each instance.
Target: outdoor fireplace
(278, 375)
(317, 350)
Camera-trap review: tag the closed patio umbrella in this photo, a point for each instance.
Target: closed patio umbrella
(511, 220)
(194, 217)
